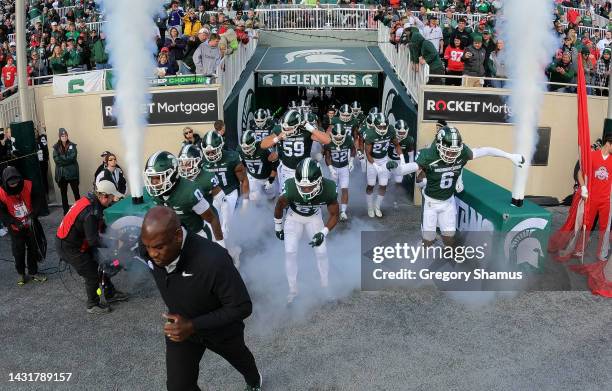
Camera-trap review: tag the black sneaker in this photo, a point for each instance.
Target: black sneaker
(99, 309)
(117, 296)
(257, 387)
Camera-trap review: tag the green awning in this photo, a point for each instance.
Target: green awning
(318, 67)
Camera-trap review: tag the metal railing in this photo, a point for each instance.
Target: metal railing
(303, 6)
(591, 30)
(231, 67)
(414, 76)
(472, 19)
(90, 26)
(317, 19)
(598, 20)
(9, 106)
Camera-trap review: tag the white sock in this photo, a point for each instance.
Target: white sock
(370, 199)
(343, 207)
(379, 200)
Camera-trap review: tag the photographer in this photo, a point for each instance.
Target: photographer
(19, 208)
(78, 239)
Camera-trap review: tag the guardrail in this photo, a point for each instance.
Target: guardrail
(472, 19)
(598, 20)
(317, 19)
(90, 26)
(9, 106)
(304, 6)
(591, 30)
(231, 67)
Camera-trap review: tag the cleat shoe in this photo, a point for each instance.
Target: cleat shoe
(343, 216)
(117, 296)
(38, 277)
(99, 309)
(378, 212)
(370, 212)
(257, 387)
(21, 280)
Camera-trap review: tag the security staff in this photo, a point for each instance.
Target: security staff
(19, 208)
(78, 238)
(206, 298)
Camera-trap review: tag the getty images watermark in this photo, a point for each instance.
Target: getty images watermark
(477, 261)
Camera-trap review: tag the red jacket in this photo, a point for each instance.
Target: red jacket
(454, 55)
(9, 72)
(19, 206)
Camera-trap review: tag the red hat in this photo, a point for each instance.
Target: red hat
(482, 21)
(164, 49)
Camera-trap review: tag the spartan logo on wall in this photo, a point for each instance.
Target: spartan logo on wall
(522, 243)
(247, 115)
(367, 81)
(311, 56)
(268, 79)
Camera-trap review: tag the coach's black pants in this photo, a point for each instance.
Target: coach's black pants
(183, 360)
(63, 186)
(23, 244)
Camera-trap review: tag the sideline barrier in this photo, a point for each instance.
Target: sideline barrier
(317, 19)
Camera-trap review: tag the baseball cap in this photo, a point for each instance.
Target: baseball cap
(12, 44)
(105, 153)
(107, 187)
(487, 31)
(204, 30)
(477, 38)
(482, 22)
(53, 23)
(607, 50)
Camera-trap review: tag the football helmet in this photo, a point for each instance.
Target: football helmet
(261, 118)
(370, 119)
(356, 108)
(291, 122)
(189, 159)
(247, 142)
(304, 106)
(345, 113)
(401, 129)
(161, 173)
(380, 124)
(309, 117)
(374, 110)
(212, 146)
(293, 105)
(308, 179)
(449, 144)
(338, 134)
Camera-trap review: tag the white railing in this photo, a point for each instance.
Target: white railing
(303, 6)
(62, 11)
(598, 20)
(414, 76)
(231, 67)
(581, 29)
(91, 26)
(9, 107)
(472, 19)
(317, 19)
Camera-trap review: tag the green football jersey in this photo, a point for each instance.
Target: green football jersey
(363, 129)
(441, 176)
(294, 148)
(348, 126)
(380, 144)
(224, 169)
(206, 181)
(406, 145)
(188, 202)
(340, 155)
(258, 165)
(359, 118)
(328, 195)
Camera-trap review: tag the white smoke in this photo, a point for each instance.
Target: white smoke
(527, 31)
(131, 51)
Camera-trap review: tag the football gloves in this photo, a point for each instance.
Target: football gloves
(317, 239)
(392, 165)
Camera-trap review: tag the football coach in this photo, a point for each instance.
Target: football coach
(206, 298)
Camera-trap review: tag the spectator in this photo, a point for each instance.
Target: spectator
(9, 73)
(42, 150)
(422, 52)
(602, 72)
(241, 34)
(498, 65)
(605, 42)
(587, 19)
(464, 33)
(191, 137)
(176, 46)
(102, 166)
(453, 55)
(19, 209)
(561, 71)
(72, 33)
(175, 15)
(66, 168)
(39, 67)
(473, 59)
(73, 56)
(208, 56)
(219, 126)
(113, 173)
(192, 45)
(192, 24)
(433, 33)
(7, 148)
(588, 65)
(100, 54)
(162, 23)
(165, 65)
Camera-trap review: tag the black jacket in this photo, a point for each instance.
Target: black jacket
(116, 177)
(87, 226)
(205, 287)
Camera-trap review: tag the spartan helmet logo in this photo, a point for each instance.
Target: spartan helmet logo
(268, 80)
(521, 246)
(366, 80)
(329, 56)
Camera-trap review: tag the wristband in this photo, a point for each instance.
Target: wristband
(278, 223)
(325, 231)
(276, 140)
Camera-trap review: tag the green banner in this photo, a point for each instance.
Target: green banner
(318, 79)
(178, 80)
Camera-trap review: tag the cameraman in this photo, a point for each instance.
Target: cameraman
(19, 208)
(78, 238)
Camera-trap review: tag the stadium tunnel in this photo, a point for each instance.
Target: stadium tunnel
(323, 76)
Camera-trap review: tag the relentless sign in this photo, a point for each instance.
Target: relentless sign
(466, 107)
(171, 107)
(318, 79)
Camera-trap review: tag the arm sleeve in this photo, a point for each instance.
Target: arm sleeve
(235, 301)
(201, 207)
(489, 151)
(408, 168)
(218, 200)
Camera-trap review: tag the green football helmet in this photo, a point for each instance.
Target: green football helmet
(261, 118)
(304, 106)
(356, 108)
(291, 122)
(212, 146)
(370, 119)
(401, 129)
(374, 110)
(338, 134)
(161, 173)
(449, 144)
(309, 117)
(247, 142)
(345, 113)
(380, 124)
(293, 105)
(308, 179)
(189, 159)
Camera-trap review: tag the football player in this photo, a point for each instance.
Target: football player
(368, 123)
(442, 164)
(230, 172)
(294, 138)
(304, 194)
(261, 124)
(377, 141)
(406, 143)
(166, 187)
(311, 119)
(339, 157)
(358, 114)
(260, 165)
(190, 160)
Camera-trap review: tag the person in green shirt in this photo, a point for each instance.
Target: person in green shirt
(72, 33)
(99, 53)
(57, 62)
(73, 57)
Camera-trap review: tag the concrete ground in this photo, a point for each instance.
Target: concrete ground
(419, 339)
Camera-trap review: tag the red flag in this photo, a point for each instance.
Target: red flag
(584, 135)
